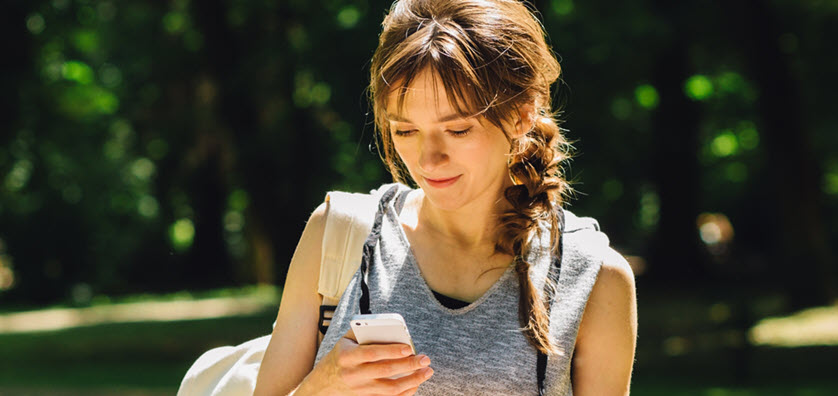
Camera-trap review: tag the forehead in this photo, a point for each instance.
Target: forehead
(425, 97)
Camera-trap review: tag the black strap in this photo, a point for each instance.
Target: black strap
(321, 321)
(364, 304)
(369, 247)
(553, 274)
(541, 366)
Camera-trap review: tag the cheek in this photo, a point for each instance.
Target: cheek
(482, 150)
(404, 151)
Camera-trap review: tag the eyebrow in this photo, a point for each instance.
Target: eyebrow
(449, 117)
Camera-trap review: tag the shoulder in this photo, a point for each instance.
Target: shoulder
(587, 239)
(317, 219)
(305, 264)
(607, 335)
(589, 256)
(583, 242)
(612, 304)
(616, 278)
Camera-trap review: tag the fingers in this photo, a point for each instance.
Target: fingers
(402, 386)
(372, 368)
(409, 392)
(372, 353)
(390, 368)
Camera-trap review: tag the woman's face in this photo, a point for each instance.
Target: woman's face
(454, 160)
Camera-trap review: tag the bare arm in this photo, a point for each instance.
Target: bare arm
(291, 352)
(605, 345)
(349, 368)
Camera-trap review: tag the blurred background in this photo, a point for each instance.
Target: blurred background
(159, 159)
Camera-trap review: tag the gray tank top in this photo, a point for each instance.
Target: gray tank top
(478, 349)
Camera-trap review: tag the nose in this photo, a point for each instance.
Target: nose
(433, 154)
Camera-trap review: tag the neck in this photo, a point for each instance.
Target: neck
(471, 228)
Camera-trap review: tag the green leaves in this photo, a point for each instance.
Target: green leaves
(698, 87)
(647, 96)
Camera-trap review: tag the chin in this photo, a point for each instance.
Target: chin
(445, 200)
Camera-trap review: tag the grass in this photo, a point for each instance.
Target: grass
(267, 293)
(150, 358)
(664, 387)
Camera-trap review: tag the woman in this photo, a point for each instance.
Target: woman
(460, 91)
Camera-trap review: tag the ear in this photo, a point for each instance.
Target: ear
(526, 119)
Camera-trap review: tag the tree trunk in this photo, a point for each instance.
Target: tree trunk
(676, 253)
(804, 261)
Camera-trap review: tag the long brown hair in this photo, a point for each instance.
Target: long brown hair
(492, 59)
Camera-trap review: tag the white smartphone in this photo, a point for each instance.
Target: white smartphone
(389, 328)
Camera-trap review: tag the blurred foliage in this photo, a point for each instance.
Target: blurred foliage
(152, 146)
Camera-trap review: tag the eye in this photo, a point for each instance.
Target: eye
(404, 133)
(461, 133)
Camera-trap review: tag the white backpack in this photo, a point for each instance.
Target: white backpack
(232, 370)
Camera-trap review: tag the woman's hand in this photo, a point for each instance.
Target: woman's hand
(352, 369)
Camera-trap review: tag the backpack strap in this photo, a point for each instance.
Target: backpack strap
(349, 218)
(369, 246)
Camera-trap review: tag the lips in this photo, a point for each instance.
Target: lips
(441, 183)
(441, 180)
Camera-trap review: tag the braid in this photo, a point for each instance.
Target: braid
(534, 166)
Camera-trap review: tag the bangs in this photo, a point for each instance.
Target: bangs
(461, 95)
(471, 86)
